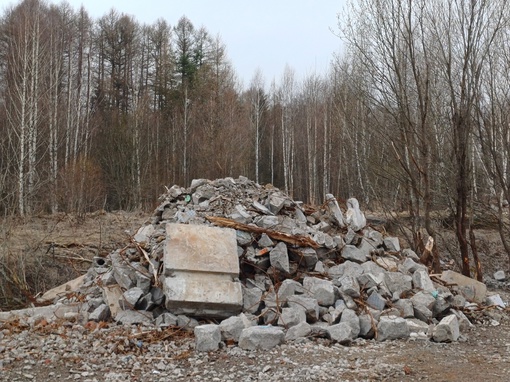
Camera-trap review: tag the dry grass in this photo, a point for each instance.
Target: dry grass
(41, 252)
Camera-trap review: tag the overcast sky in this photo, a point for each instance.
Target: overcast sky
(265, 34)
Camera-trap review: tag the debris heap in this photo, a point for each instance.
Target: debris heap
(262, 269)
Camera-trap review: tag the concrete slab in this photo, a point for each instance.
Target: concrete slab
(479, 289)
(50, 312)
(200, 265)
(61, 290)
(199, 248)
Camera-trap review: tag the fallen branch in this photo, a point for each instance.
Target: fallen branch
(301, 241)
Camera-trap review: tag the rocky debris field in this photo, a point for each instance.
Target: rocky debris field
(318, 293)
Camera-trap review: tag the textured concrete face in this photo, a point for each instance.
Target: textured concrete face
(201, 249)
(200, 265)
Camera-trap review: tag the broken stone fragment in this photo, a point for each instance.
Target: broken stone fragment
(353, 253)
(232, 327)
(291, 316)
(310, 306)
(392, 328)
(279, 258)
(350, 317)
(261, 337)
(447, 330)
(354, 218)
(265, 241)
(252, 298)
(207, 337)
(421, 280)
(392, 244)
(341, 333)
(398, 282)
(130, 317)
(321, 290)
(101, 313)
(303, 329)
(335, 210)
(166, 319)
(500, 275)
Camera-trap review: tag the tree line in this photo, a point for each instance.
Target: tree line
(104, 113)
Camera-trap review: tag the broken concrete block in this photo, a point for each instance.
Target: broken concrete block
(130, 317)
(303, 329)
(354, 218)
(113, 295)
(232, 327)
(368, 280)
(306, 257)
(392, 328)
(479, 289)
(288, 288)
(341, 333)
(417, 326)
(279, 258)
(310, 306)
(421, 280)
(49, 313)
(207, 337)
(321, 290)
(496, 300)
(353, 253)
(265, 241)
(335, 210)
(101, 313)
(498, 276)
(243, 238)
(166, 319)
(373, 268)
(144, 234)
(186, 322)
(261, 337)
(376, 301)
(132, 296)
(252, 298)
(441, 306)
(367, 325)
(392, 244)
(411, 266)
(346, 268)
(349, 286)
(405, 307)
(291, 316)
(122, 271)
(68, 287)
(200, 265)
(398, 282)
(350, 317)
(447, 330)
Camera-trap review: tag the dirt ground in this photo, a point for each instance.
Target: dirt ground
(60, 247)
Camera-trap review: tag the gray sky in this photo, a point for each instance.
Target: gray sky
(265, 34)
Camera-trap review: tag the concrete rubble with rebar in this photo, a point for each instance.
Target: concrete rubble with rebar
(237, 261)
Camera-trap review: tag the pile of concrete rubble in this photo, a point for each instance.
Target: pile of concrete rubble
(261, 269)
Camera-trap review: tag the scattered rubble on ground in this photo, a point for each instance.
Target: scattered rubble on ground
(237, 262)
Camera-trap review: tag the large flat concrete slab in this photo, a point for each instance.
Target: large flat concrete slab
(200, 265)
(200, 248)
(479, 290)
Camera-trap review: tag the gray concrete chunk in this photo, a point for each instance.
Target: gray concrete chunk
(252, 298)
(341, 333)
(447, 330)
(421, 280)
(279, 258)
(261, 337)
(392, 328)
(349, 286)
(376, 301)
(291, 316)
(200, 264)
(310, 306)
(303, 329)
(392, 244)
(353, 253)
(207, 337)
(321, 290)
(101, 313)
(232, 327)
(398, 282)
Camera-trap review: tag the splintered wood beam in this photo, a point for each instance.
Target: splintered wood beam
(300, 241)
